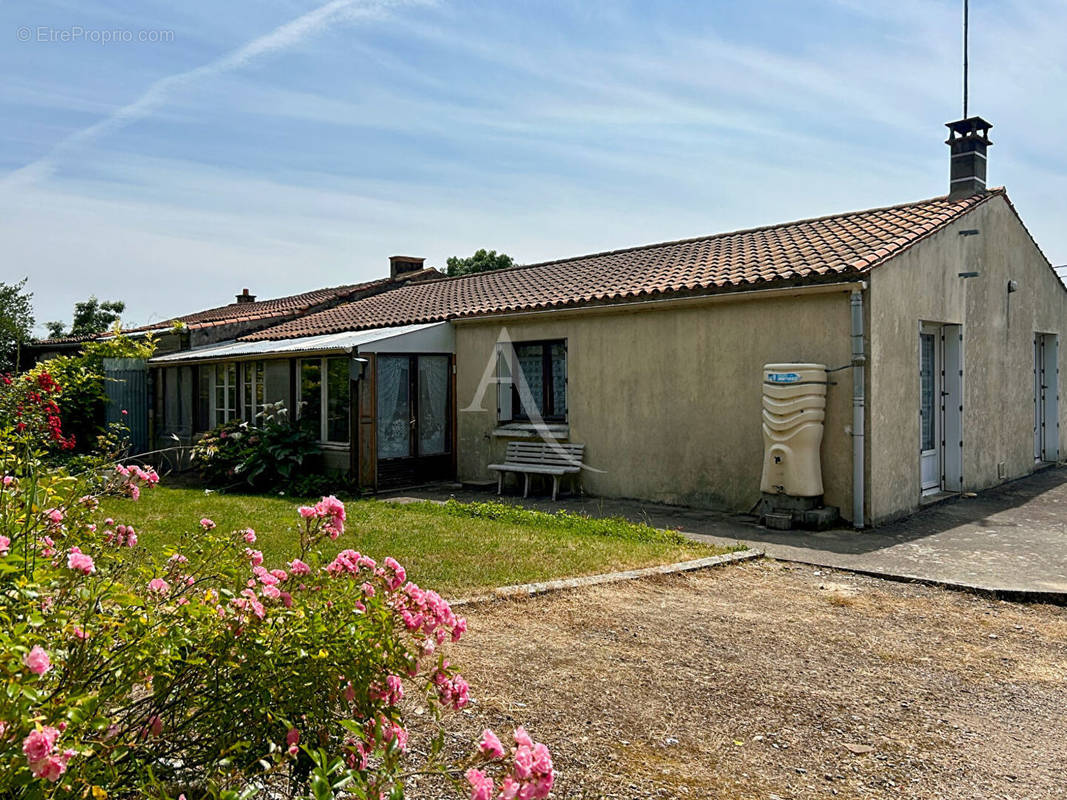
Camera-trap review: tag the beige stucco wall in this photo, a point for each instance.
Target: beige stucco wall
(667, 402)
(923, 284)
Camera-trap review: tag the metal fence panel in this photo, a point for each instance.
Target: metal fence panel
(127, 390)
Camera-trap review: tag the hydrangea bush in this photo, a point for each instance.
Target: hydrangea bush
(271, 454)
(208, 672)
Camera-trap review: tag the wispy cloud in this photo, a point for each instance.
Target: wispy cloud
(283, 37)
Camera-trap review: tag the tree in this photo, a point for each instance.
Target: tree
(481, 261)
(90, 316)
(16, 323)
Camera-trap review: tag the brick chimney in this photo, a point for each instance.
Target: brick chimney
(968, 140)
(401, 265)
(245, 297)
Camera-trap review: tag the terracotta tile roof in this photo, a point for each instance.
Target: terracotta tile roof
(61, 340)
(282, 308)
(824, 248)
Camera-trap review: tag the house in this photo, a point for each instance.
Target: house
(945, 310)
(171, 411)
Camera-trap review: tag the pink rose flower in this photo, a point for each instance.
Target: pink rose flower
(39, 743)
(5, 545)
(249, 535)
(307, 512)
(459, 629)
(542, 760)
(158, 586)
(80, 562)
(298, 567)
(509, 788)
(481, 784)
(206, 524)
(523, 762)
(255, 556)
(50, 768)
(37, 660)
(522, 738)
(490, 745)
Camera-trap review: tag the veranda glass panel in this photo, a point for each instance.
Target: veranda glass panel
(231, 390)
(394, 407)
(433, 405)
(337, 411)
(220, 394)
(311, 395)
(253, 391)
(203, 399)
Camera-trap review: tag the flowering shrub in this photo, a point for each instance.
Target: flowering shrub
(29, 407)
(83, 403)
(268, 455)
(207, 672)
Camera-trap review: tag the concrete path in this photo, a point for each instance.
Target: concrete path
(1011, 540)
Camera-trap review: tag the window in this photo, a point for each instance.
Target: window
(224, 398)
(539, 389)
(325, 412)
(337, 412)
(252, 390)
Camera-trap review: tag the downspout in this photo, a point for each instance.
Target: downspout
(859, 362)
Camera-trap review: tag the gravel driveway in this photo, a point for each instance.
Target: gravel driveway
(773, 681)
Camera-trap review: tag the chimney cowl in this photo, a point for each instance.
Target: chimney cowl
(402, 265)
(245, 297)
(968, 140)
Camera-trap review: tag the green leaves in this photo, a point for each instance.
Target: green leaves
(264, 458)
(481, 261)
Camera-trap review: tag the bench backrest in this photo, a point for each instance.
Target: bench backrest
(551, 454)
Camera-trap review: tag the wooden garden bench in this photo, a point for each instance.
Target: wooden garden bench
(539, 458)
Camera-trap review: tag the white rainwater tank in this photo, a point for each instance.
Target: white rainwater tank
(794, 408)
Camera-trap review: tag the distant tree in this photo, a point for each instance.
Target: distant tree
(16, 323)
(90, 316)
(481, 261)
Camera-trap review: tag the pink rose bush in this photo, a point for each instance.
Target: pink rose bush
(212, 671)
(525, 774)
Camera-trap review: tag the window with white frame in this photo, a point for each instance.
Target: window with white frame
(252, 390)
(224, 392)
(324, 398)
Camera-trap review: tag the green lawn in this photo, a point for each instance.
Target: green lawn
(453, 550)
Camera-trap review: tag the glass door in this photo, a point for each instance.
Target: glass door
(414, 394)
(929, 410)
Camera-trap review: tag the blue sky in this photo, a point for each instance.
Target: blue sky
(283, 146)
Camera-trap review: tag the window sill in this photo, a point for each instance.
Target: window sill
(530, 430)
(332, 446)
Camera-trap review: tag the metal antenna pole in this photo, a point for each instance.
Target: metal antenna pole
(965, 4)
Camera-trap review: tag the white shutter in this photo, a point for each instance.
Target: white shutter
(952, 427)
(1051, 388)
